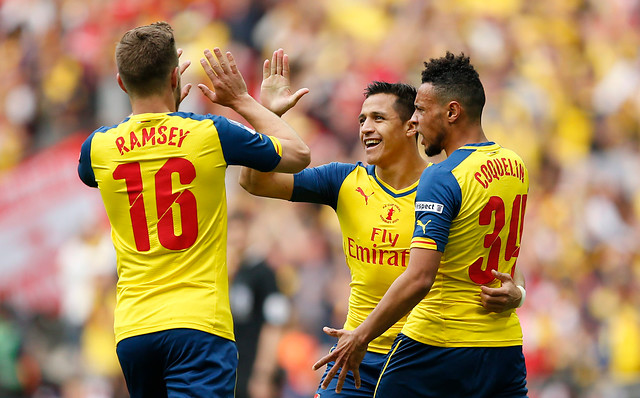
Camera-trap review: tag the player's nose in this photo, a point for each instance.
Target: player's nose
(366, 126)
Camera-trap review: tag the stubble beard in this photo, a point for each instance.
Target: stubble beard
(435, 148)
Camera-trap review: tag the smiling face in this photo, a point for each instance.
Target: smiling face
(430, 118)
(382, 131)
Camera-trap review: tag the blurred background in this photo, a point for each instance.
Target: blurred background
(563, 89)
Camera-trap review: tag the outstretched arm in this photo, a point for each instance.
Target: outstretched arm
(405, 292)
(230, 90)
(275, 91)
(270, 185)
(275, 95)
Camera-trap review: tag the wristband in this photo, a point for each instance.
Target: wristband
(524, 295)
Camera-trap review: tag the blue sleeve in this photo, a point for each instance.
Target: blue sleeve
(438, 201)
(85, 171)
(244, 146)
(320, 184)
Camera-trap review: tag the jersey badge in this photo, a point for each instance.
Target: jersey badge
(390, 213)
(429, 206)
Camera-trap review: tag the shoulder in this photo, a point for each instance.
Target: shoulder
(220, 122)
(335, 170)
(196, 116)
(106, 129)
(439, 181)
(100, 131)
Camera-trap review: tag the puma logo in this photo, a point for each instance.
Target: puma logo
(423, 226)
(366, 197)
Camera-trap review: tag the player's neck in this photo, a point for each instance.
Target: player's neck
(471, 134)
(403, 172)
(153, 104)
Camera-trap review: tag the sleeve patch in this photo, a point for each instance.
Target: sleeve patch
(429, 206)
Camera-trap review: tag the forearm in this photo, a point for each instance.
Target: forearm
(266, 358)
(401, 297)
(404, 294)
(295, 153)
(518, 278)
(270, 185)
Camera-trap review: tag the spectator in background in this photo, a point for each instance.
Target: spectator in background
(83, 261)
(20, 374)
(260, 311)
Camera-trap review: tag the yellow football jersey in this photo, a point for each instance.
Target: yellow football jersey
(376, 222)
(162, 181)
(470, 207)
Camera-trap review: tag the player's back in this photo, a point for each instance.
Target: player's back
(486, 186)
(161, 177)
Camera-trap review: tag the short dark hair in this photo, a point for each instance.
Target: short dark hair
(145, 57)
(405, 93)
(454, 78)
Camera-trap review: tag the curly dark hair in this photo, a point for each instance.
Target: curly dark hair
(405, 93)
(454, 78)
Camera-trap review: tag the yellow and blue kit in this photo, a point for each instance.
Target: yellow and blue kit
(162, 181)
(471, 208)
(376, 222)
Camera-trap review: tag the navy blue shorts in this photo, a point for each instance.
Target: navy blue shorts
(178, 363)
(419, 370)
(369, 372)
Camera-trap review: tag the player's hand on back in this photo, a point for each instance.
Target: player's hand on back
(275, 92)
(229, 86)
(502, 298)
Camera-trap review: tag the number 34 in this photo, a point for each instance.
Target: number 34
(495, 209)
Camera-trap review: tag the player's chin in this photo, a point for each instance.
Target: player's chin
(373, 154)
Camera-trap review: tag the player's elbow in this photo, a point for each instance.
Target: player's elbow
(421, 285)
(246, 182)
(254, 181)
(294, 159)
(421, 281)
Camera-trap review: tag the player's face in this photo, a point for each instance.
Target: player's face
(430, 118)
(382, 132)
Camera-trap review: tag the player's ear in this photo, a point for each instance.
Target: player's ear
(410, 127)
(121, 84)
(453, 111)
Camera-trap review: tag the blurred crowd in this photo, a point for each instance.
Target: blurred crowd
(563, 89)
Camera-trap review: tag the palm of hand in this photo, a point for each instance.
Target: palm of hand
(276, 94)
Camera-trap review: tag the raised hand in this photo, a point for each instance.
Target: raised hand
(347, 356)
(229, 86)
(275, 92)
(187, 87)
(502, 298)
